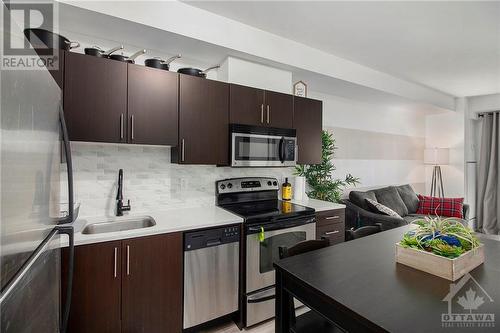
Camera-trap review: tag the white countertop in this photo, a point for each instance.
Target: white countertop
(173, 220)
(167, 221)
(318, 205)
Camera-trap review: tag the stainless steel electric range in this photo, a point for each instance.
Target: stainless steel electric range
(268, 224)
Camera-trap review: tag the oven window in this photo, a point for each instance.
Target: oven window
(256, 149)
(269, 248)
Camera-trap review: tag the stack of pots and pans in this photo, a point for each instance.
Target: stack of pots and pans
(41, 38)
(159, 63)
(195, 71)
(96, 51)
(130, 59)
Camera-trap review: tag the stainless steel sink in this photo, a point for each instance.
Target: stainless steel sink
(119, 224)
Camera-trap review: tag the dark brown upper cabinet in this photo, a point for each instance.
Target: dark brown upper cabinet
(152, 284)
(279, 109)
(97, 291)
(246, 105)
(307, 120)
(152, 106)
(95, 98)
(251, 106)
(203, 122)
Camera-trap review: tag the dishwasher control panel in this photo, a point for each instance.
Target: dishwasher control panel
(211, 237)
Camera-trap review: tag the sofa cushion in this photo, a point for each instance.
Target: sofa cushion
(446, 207)
(358, 198)
(389, 196)
(409, 197)
(377, 207)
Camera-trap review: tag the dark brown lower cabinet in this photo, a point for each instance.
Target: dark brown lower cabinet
(331, 224)
(134, 285)
(96, 292)
(151, 284)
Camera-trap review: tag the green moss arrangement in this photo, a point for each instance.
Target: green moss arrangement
(319, 176)
(445, 237)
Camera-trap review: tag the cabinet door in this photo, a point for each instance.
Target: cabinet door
(95, 98)
(152, 284)
(278, 110)
(96, 292)
(331, 224)
(152, 105)
(307, 120)
(203, 121)
(246, 105)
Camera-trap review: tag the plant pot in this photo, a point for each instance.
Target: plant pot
(450, 269)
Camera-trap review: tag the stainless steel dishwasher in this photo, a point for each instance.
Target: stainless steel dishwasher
(211, 274)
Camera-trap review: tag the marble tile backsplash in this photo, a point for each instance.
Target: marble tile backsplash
(151, 182)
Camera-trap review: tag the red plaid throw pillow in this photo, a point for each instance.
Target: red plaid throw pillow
(448, 207)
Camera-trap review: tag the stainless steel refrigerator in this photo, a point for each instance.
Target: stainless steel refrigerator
(34, 147)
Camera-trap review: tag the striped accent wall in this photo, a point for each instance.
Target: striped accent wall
(381, 146)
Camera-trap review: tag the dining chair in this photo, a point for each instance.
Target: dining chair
(363, 231)
(310, 321)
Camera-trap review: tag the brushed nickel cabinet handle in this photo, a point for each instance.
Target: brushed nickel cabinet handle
(115, 263)
(183, 151)
(262, 113)
(132, 127)
(121, 127)
(332, 232)
(128, 259)
(268, 108)
(332, 217)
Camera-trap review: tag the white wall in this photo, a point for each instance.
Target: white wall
(238, 71)
(447, 130)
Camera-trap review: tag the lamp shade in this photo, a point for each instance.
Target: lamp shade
(437, 156)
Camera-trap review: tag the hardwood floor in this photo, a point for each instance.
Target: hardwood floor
(265, 327)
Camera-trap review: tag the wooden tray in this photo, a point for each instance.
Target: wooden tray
(450, 269)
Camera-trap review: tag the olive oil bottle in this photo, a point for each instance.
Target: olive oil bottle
(286, 190)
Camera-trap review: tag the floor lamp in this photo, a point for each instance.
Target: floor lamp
(437, 157)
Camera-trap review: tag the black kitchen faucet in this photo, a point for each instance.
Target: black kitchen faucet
(120, 208)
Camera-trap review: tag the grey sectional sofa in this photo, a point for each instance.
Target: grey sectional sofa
(402, 199)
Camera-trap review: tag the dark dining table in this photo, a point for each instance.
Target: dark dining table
(358, 286)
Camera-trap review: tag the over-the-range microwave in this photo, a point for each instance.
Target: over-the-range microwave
(255, 146)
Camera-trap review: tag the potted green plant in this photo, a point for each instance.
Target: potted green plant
(319, 176)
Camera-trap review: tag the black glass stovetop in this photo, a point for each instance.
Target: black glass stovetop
(268, 210)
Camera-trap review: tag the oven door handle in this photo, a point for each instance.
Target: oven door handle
(284, 224)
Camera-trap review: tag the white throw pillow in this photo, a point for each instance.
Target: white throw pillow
(379, 208)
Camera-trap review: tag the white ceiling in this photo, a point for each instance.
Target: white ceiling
(453, 47)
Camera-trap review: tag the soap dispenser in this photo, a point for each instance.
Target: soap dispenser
(286, 190)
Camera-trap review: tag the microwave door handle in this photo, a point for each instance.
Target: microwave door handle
(281, 150)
